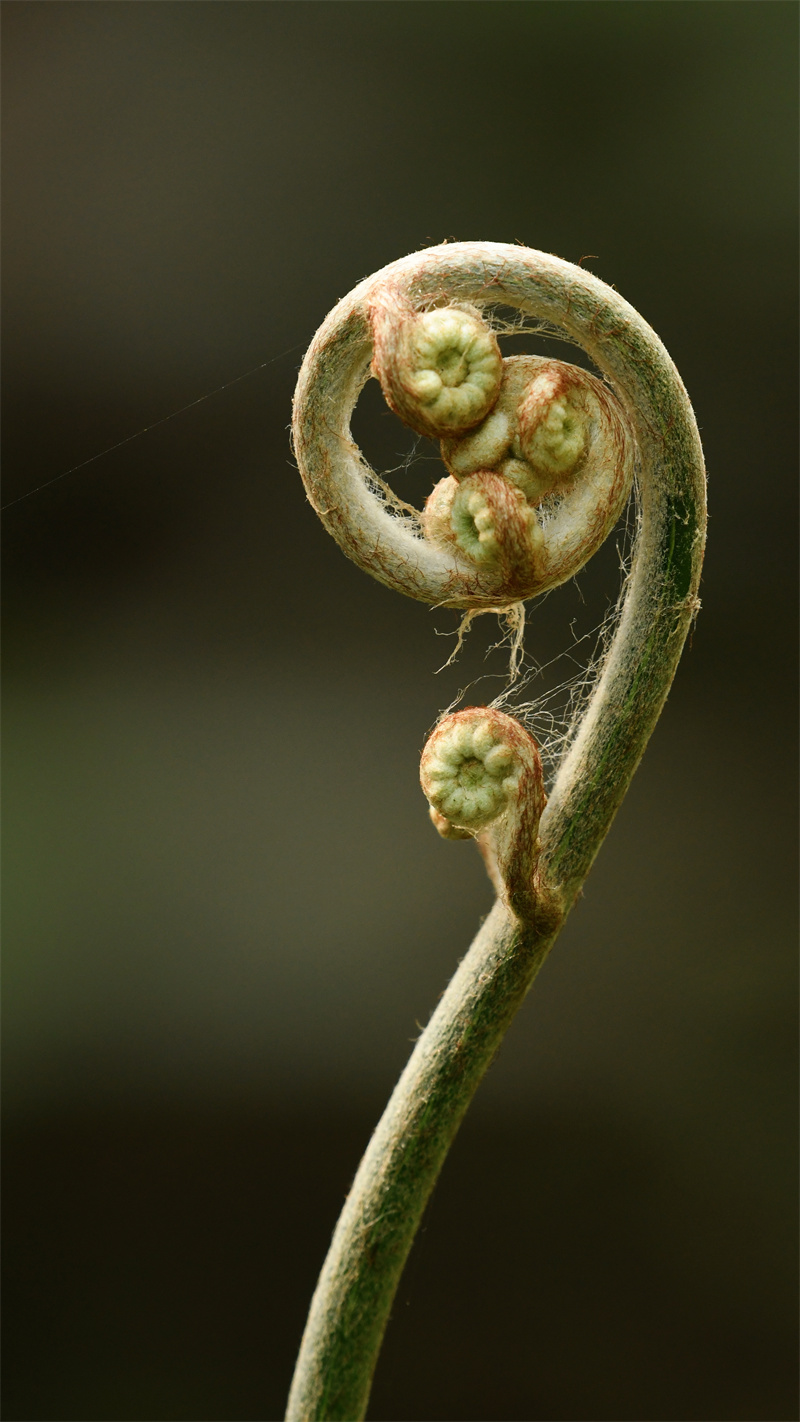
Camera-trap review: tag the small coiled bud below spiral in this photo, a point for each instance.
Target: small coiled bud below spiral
(439, 370)
(473, 768)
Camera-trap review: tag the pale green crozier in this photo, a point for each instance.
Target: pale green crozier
(537, 879)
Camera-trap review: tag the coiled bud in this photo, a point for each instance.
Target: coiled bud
(475, 764)
(551, 446)
(440, 371)
(490, 521)
(550, 422)
(556, 417)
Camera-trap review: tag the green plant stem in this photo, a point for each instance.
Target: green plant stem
(374, 1234)
(377, 1226)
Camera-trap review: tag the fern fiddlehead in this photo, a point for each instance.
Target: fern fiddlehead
(540, 458)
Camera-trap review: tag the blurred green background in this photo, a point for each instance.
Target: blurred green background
(226, 912)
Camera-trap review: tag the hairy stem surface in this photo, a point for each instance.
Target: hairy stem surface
(376, 1229)
(377, 1226)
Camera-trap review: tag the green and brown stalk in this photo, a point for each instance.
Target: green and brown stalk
(537, 857)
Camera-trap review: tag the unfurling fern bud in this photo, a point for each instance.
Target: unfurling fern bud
(540, 455)
(488, 520)
(476, 764)
(555, 417)
(552, 423)
(440, 371)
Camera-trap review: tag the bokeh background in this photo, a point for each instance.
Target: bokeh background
(226, 912)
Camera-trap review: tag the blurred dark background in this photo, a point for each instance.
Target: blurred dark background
(226, 911)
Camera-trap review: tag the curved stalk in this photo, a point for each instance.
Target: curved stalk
(374, 1234)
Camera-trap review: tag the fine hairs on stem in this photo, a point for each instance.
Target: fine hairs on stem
(538, 457)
